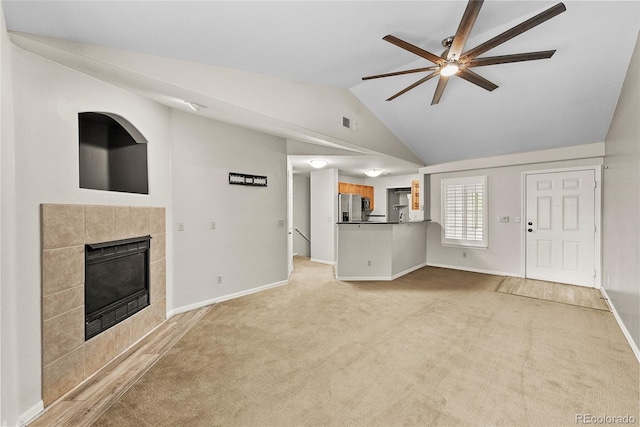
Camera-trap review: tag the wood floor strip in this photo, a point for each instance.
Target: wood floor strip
(556, 292)
(83, 405)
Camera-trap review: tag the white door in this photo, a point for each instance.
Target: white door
(560, 227)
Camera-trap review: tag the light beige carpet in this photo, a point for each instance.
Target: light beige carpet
(551, 291)
(433, 348)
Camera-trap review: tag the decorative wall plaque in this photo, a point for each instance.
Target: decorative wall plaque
(245, 179)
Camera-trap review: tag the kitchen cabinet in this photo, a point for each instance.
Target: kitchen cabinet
(415, 195)
(345, 188)
(363, 190)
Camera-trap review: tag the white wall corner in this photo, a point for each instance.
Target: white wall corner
(623, 328)
(31, 414)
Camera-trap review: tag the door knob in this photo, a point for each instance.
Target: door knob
(530, 230)
(530, 223)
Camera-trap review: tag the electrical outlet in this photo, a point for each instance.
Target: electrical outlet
(219, 280)
(181, 226)
(282, 222)
(369, 263)
(213, 225)
(464, 254)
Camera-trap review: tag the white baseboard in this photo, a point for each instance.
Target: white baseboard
(31, 414)
(364, 278)
(215, 300)
(625, 331)
(381, 278)
(408, 270)
(473, 270)
(321, 261)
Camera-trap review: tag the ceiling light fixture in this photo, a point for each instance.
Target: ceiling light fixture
(317, 163)
(195, 107)
(450, 69)
(373, 173)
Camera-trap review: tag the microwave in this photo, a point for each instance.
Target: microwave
(366, 204)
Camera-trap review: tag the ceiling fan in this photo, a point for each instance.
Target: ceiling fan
(454, 61)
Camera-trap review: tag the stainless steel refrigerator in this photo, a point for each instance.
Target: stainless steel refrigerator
(349, 207)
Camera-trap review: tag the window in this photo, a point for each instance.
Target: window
(464, 211)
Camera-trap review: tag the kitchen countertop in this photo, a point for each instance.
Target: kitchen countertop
(381, 222)
(367, 222)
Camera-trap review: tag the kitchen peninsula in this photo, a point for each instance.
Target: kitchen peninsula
(380, 250)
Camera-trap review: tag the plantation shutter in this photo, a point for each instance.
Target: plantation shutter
(464, 208)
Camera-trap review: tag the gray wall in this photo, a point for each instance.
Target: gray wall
(248, 246)
(301, 214)
(505, 253)
(621, 203)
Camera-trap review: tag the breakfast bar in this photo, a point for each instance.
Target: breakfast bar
(380, 250)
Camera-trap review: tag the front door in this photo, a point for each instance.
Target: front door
(560, 227)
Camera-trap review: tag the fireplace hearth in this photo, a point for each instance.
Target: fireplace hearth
(116, 282)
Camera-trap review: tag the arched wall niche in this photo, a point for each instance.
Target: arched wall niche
(112, 154)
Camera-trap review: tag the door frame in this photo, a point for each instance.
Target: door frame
(597, 169)
(289, 226)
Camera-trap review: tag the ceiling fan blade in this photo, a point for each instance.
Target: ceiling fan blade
(504, 59)
(399, 73)
(515, 31)
(442, 83)
(413, 49)
(464, 29)
(476, 79)
(419, 82)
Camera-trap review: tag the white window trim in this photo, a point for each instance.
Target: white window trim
(474, 180)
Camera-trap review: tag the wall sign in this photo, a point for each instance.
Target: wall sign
(245, 179)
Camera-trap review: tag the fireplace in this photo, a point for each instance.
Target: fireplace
(67, 358)
(116, 282)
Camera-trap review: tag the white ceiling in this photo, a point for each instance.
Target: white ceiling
(566, 100)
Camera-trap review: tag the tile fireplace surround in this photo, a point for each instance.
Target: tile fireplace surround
(68, 359)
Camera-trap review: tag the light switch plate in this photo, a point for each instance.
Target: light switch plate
(503, 219)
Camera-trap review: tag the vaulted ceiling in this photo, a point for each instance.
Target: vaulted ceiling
(566, 100)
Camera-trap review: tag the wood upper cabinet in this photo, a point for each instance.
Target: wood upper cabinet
(347, 188)
(363, 190)
(415, 195)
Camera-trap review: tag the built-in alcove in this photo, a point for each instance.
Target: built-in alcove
(112, 153)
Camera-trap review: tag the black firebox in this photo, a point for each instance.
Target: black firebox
(116, 282)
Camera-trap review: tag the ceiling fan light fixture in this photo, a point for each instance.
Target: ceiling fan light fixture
(373, 173)
(318, 163)
(450, 69)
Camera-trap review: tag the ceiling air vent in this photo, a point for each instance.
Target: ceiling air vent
(348, 123)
